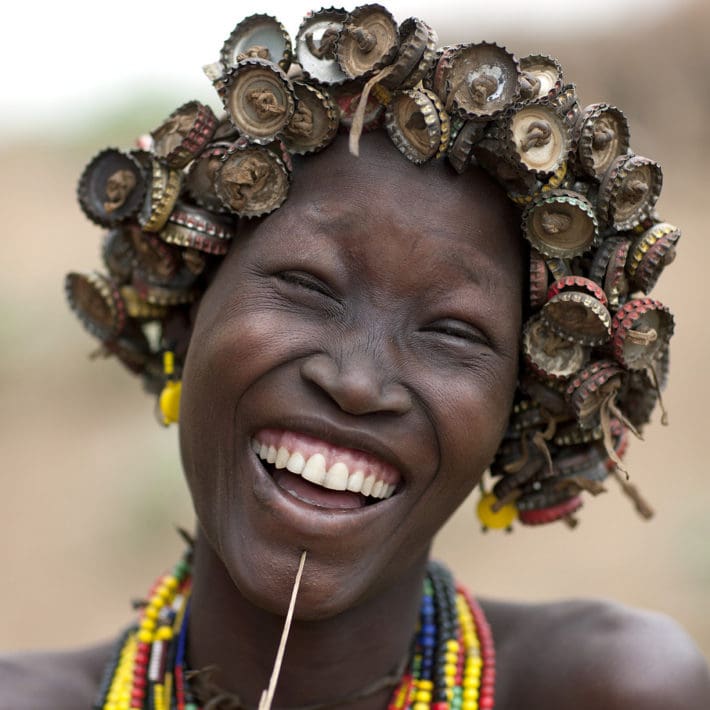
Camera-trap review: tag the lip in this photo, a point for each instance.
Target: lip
(314, 521)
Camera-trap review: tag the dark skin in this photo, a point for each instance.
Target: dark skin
(321, 320)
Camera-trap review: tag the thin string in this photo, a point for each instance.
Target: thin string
(267, 697)
(359, 115)
(653, 376)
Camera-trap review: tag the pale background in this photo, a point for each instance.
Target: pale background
(92, 486)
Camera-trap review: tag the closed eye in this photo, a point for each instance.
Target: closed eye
(457, 330)
(303, 279)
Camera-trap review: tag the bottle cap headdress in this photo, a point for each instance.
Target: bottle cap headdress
(594, 347)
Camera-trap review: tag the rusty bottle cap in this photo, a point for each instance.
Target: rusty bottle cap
(582, 461)
(561, 224)
(650, 253)
(131, 348)
(314, 123)
(164, 190)
(601, 135)
(252, 180)
(161, 295)
(640, 395)
(137, 308)
(316, 46)
(184, 135)
(578, 317)
(195, 228)
(590, 388)
(538, 279)
(199, 183)
(118, 253)
(629, 191)
(414, 37)
(483, 81)
(460, 150)
(368, 41)
(642, 329)
(550, 394)
(541, 76)
(572, 434)
(607, 269)
(536, 137)
(257, 37)
(155, 260)
(550, 356)
(97, 303)
(417, 124)
(551, 514)
(259, 99)
(577, 283)
(567, 104)
(112, 187)
(426, 62)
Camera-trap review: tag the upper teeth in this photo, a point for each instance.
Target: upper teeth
(337, 477)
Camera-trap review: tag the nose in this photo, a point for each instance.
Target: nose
(357, 383)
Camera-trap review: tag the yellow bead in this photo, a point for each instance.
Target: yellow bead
(423, 696)
(171, 583)
(470, 693)
(451, 657)
(425, 685)
(452, 646)
(164, 633)
(450, 681)
(469, 705)
(145, 636)
(420, 706)
(495, 519)
(147, 624)
(151, 612)
(169, 402)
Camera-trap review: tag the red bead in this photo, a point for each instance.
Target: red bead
(439, 706)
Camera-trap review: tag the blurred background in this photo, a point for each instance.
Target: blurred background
(92, 486)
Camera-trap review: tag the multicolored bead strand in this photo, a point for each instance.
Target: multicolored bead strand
(452, 665)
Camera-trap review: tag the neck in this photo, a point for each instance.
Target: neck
(325, 660)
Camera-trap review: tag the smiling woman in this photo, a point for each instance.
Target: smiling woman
(363, 353)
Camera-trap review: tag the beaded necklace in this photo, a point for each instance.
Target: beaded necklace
(452, 663)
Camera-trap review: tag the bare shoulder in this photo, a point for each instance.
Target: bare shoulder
(62, 680)
(594, 654)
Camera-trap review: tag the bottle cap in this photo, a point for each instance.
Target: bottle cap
(577, 283)
(165, 186)
(112, 187)
(161, 295)
(368, 41)
(538, 280)
(650, 253)
(491, 155)
(252, 180)
(97, 303)
(184, 135)
(536, 137)
(155, 260)
(199, 183)
(639, 396)
(413, 40)
(561, 224)
(591, 387)
(257, 37)
(426, 62)
(629, 191)
(601, 135)
(460, 149)
(195, 228)
(314, 122)
(550, 356)
(118, 253)
(484, 79)
(567, 104)
(137, 308)
(417, 124)
(541, 76)
(586, 462)
(559, 511)
(642, 329)
(548, 393)
(316, 46)
(259, 99)
(578, 317)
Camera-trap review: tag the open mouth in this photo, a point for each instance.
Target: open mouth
(321, 474)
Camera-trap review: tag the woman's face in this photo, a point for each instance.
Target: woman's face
(372, 321)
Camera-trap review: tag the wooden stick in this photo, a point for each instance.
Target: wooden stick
(267, 696)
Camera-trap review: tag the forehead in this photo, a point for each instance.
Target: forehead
(379, 208)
